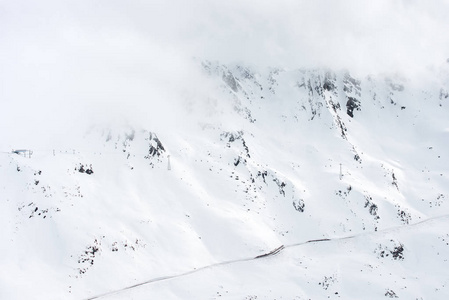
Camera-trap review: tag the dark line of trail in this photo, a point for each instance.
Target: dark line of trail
(268, 254)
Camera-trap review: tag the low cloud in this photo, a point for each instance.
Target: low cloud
(67, 64)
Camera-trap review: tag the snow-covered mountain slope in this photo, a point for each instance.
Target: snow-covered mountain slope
(357, 167)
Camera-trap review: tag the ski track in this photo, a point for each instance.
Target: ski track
(268, 254)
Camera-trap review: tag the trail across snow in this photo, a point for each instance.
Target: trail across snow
(267, 254)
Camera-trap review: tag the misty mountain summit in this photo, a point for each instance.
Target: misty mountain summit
(309, 177)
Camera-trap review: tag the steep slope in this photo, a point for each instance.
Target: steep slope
(273, 158)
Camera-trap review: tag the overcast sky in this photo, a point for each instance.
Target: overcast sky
(63, 62)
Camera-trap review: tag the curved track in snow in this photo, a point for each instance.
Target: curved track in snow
(270, 253)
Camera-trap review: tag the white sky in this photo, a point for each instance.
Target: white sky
(64, 63)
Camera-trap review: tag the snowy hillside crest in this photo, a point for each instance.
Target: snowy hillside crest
(334, 185)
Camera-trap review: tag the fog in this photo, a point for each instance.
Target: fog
(65, 65)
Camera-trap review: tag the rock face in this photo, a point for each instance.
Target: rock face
(155, 146)
(351, 105)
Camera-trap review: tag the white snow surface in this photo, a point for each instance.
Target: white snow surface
(258, 168)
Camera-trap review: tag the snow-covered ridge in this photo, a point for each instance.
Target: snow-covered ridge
(284, 157)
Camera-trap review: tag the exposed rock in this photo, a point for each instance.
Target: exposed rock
(351, 105)
(230, 80)
(155, 146)
(330, 82)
